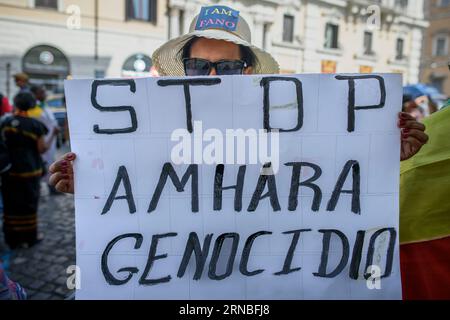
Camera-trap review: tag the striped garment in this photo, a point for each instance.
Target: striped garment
(10, 290)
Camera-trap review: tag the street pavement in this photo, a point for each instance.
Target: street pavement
(41, 269)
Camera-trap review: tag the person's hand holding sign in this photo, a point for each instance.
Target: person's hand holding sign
(62, 173)
(413, 135)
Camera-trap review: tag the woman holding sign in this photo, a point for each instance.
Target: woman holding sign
(219, 43)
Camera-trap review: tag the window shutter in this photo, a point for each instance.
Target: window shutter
(153, 7)
(129, 10)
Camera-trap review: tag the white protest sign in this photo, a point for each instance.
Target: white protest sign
(172, 201)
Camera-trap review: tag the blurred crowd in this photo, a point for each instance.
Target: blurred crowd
(419, 107)
(29, 135)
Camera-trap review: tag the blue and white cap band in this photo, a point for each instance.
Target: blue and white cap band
(217, 17)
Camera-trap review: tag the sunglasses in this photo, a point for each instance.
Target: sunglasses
(202, 67)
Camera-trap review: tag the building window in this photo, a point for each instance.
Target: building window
(399, 55)
(365, 69)
(401, 4)
(51, 4)
(440, 45)
(144, 10)
(438, 83)
(443, 3)
(331, 36)
(328, 66)
(368, 39)
(99, 74)
(288, 28)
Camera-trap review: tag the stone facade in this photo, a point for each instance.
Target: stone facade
(436, 48)
(294, 31)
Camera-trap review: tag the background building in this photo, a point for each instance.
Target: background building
(55, 39)
(436, 48)
(328, 35)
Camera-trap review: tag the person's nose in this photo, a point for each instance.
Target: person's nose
(213, 72)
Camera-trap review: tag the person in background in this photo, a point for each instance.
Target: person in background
(432, 105)
(418, 113)
(5, 107)
(24, 139)
(406, 101)
(411, 107)
(427, 104)
(10, 290)
(22, 82)
(49, 120)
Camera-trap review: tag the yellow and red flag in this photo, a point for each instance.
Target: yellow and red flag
(425, 214)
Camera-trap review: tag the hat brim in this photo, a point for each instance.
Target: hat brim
(167, 59)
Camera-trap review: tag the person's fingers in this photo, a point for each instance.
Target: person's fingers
(60, 166)
(405, 116)
(58, 176)
(64, 164)
(70, 156)
(411, 142)
(410, 146)
(62, 173)
(411, 124)
(61, 186)
(55, 178)
(418, 134)
(64, 185)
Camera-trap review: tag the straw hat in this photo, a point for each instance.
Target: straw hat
(213, 22)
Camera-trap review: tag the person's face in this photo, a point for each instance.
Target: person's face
(417, 114)
(20, 83)
(215, 50)
(409, 106)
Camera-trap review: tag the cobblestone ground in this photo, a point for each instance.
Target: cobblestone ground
(41, 269)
